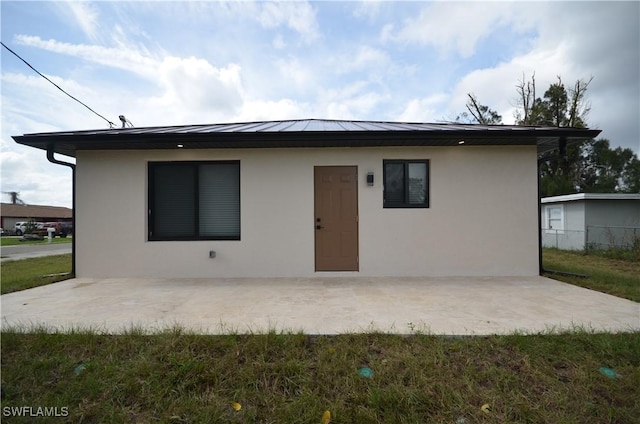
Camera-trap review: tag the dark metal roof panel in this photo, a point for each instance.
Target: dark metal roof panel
(309, 125)
(304, 133)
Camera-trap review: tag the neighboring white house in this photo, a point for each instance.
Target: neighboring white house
(594, 220)
(307, 198)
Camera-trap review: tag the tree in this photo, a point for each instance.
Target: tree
(528, 110)
(606, 170)
(559, 107)
(558, 175)
(592, 167)
(478, 113)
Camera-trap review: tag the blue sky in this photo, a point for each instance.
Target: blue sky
(170, 63)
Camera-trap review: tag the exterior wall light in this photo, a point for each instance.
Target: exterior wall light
(461, 142)
(370, 179)
(180, 146)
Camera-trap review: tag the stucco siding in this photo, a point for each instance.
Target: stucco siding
(481, 221)
(612, 223)
(572, 236)
(624, 213)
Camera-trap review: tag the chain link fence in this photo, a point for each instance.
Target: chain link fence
(595, 237)
(610, 237)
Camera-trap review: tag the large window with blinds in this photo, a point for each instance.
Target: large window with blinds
(194, 200)
(406, 183)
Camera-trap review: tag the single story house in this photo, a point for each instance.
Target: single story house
(13, 212)
(306, 198)
(591, 220)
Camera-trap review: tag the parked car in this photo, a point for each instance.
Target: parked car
(2, 232)
(25, 227)
(20, 228)
(43, 230)
(67, 227)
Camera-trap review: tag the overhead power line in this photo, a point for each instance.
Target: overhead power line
(111, 124)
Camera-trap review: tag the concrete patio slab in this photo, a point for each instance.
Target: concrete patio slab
(453, 306)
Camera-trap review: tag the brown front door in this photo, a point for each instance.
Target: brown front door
(336, 218)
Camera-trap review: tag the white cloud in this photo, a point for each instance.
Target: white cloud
(124, 57)
(496, 87)
(457, 26)
(298, 76)
(38, 181)
(572, 49)
(196, 84)
(298, 16)
(188, 86)
(32, 102)
(424, 109)
(278, 42)
(368, 9)
(86, 16)
(352, 101)
(365, 59)
(267, 110)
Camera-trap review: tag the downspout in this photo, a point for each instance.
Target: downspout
(50, 152)
(540, 267)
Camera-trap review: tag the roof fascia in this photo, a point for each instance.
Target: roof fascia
(590, 196)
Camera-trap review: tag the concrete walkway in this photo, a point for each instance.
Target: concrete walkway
(455, 306)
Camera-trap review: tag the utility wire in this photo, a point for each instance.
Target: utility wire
(111, 124)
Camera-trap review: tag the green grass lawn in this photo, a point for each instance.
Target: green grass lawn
(177, 377)
(28, 273)
(614, 276)
(14, 241)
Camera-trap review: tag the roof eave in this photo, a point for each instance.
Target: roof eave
(67, 143)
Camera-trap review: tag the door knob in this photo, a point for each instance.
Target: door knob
(319, 227)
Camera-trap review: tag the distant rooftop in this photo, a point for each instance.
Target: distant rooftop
(591, 196)
(33, 211)
(304, 133)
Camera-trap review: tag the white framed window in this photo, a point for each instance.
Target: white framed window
(554, 218)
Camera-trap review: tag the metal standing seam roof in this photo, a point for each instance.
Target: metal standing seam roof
(304, 133)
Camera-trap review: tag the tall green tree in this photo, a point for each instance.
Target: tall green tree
(591, 167)
(558, 107)
(606, 170)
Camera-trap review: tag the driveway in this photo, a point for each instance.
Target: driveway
(24, 251)
(454, 306)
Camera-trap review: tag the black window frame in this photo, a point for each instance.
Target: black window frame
(405, 203)
(151, 201)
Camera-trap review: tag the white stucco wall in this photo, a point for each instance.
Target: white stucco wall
(482, 219)
(612, 223)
